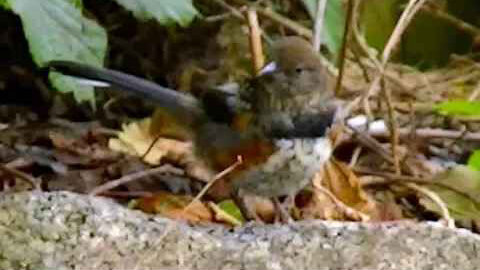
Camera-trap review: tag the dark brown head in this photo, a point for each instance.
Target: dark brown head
(294, 87)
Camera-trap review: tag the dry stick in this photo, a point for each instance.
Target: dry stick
(431, 133)
(150, 147)
(355, 156)
(437, 200)
(318, 26)
(133, 177)
(232, 10)
(32, 181)
(346, 32)
(391, 178)
(345, 209)
(223, 173)
(475, 93)
(255, 41)
(212, 181)
(358, 60)
(372, 144)
(393, 126)
(407, 15)
(458, 23)
(288, 23)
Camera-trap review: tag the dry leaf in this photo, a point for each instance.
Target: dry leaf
(136, 138)
(337, 194)
(173, 206)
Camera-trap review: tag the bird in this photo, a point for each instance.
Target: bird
(284, 142)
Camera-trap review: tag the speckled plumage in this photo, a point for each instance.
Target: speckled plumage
(289, 169)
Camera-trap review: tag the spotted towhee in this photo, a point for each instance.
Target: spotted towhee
(284, 143)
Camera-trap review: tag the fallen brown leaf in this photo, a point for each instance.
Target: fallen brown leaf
(173, 206)
(337, 195)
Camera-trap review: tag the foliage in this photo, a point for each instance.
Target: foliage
(333, 24)
(461, 207)
(465, 108)
(57, 30)
(165, 12)
(474, 160)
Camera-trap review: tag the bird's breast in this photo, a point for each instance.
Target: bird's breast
(289, 169)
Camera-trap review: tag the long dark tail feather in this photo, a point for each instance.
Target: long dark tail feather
(187, 107)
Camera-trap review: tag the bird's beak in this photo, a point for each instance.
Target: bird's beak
(269, 68)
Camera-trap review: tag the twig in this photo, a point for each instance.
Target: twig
(127, 194)
(133, 177)
(407, 15)
(318, 26)
(391, 178)
(437, 200)
(341, 206)
(32, 181)
(358, 60)
(475, 93)
(255, 41)
(341, 59)
(230, 8)
(212, 181)
(431, 133)
(372, 144)
(290, 24)
(458, 23)
(150, 147)
(355, 156)
(393, 125)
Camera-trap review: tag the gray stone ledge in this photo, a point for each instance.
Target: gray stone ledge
(62, 230)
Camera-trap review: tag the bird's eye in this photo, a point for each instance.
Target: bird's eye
(298, 70)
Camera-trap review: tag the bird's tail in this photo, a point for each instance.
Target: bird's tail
(186, 107)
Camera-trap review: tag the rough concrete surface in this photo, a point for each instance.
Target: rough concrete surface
(67, 231)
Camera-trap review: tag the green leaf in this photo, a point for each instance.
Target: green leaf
(4, 4)
(474, 160)
(164, 11)
(460, 206)
(333, 24)
(57, 30)
(465, 108)
(229, 207)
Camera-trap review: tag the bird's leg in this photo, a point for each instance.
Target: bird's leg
(246, 209)
(283, 210)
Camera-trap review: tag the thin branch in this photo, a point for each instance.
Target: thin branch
(391, 178)
(238, 14)
(431, 133)
(412, 8)
(133, 177)
(437, 200)
(341, 206)
(212, 181)
(318, 26)
(288, 23)
(456, 22)
(32, 181)
(341, 59)
(255, 41)
(393, 125)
